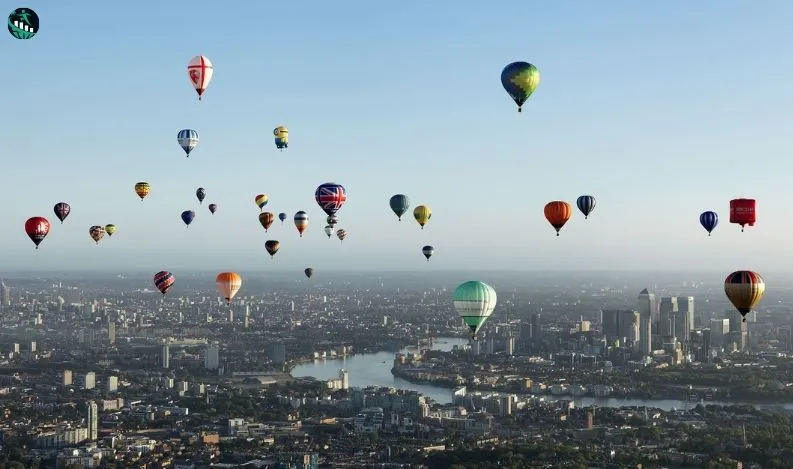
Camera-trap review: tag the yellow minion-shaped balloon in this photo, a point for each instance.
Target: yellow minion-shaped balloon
(281, 137)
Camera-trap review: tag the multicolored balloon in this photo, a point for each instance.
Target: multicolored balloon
(474, 302)
(709, 220)
(586, 203)
(97, 233)
(110, 229)
(37, 228)
(228, 284)
(199, 71)
(301, 222)
(558, 213)
(164, 280)
(188, 140)
(399, 205)
(187, 217)
(428, 251)
(422, 214)
(332, 220)
(200, 194)
(330, 197)
(341, 234)
(261, 200)
(213, 208)
(266, 219)
(520, 80)
(62, 210)
(272, 246)
(329, 230)
(744, 289)
(281, 137)
(142, 189)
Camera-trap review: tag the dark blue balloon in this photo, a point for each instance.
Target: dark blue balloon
(709, 221)
(586, 203)
(187, 217)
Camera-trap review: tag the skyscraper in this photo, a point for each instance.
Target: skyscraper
(166, 355)
(685, 305)
(111, 332)
(344, 376)
(212, 357)
(719, 330)
(279, 353)
(646, 305)
(5, 294)
(93, 421)
(667, 315)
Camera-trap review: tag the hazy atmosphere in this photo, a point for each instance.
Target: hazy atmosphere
(659, 114)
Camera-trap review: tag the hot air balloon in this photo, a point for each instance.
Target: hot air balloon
(188, 140)
(309, 272)
(557, 213)
(709, 220)
(163, 280)
(520, 79)
(110, 229)
(586, 203)
(743, 212)
(266, 219)
(332, 220)
(281, 137)
(272, 247)
(228, 284)
(399, 205)
(301, 222)
(200, 70)
(341, 234)
(329, 230)
(200, 194)
(261, 200)
(142, 189)
(422, 214)
(97, 233)
(330, 197)
(213, 208)
(282, 216)
(62, 210)
(428, 251)
(744, 289)
(474, 302)
(187, 217)
(37, 229)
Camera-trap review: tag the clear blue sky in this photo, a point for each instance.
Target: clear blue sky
(659, 109)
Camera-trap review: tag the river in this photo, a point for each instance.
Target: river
(374, 369)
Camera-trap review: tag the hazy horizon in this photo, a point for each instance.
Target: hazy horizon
(660, 115)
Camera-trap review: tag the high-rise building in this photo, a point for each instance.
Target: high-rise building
(89, 380)
(166, 355)
(719, 330)
(33, 347)
(67, 377)
(646, 305)
(212, 357)
(5, 294)
(279, 353)
(739, 332)
(685, 304)
(111, 332)
(112, 384)
(93, 421)
(344, 376)
(620, 324)
(667, 316)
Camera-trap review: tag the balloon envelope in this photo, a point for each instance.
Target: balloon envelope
(309, 272)
(399, 204)
(272, 246)
(422, 214)
(474, 302)
(163, 280)
(330, 197)
(519, 80)
(37, 229)
(228, 284)
(62, 210)
(187, 217)
(586, 203)
(709, 220)
(744, 289)
(557, 213)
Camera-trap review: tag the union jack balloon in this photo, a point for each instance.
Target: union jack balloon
(330, 197)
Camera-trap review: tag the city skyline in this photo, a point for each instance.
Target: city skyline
(653, 113)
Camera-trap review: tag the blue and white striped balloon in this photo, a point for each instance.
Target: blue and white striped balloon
(586, 203)
(188, 140)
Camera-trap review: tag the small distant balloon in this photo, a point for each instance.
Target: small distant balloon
(23, 23)
(187, 217)
(266, 219)
(201, 194)
(332, 220)
(309, 272)
(272, 246)
(261, 200)
(142, 189)
(97, 233)
(228, 284)
(329, 230)
(422, 214)
(301, 222)
(199, 71)
(399, 204)
(62, 210)
(188, 140)
(163, 280)
(213, 208)
(586, 203)
(37, 229)
(428, 251)
(341, 234)
(282, 216)
(110, 229)
(558, 213)
(520, 79)
(281, 134)
(709, 220)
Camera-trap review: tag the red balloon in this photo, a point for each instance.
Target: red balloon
(743, 212)
(37, 229)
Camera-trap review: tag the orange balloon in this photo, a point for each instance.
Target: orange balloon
(228, 283)
(557, 213)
